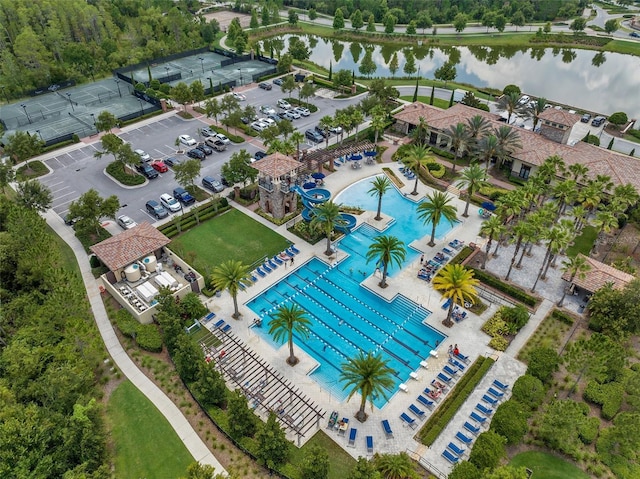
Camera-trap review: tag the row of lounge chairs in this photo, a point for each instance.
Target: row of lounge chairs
(272, 263)
(410, 175)
(431, 267)
(334, 423)
(453, 453)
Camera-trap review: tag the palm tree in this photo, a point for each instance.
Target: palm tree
(229, 275)
(357, 117)
(574, 266)
(386, 250)
(555, 238)
(478, 126)
(327, 217)
(378, 120)
(579, 213)
(488, 148)
(290, 319)
(457, 283)
(624, 196)
(419, 133)
(509, 103)
(537, 110)
(379, 187)
(368, 375)
(297, 138)
(434, 208)
(492, 229)
(605, 221)
(578, 172)
(395, 466)
(326, 123)
(551, 168)
(417, 157)
(508, 141)
(521, 231)
(472, 178)
(565, 192)
(590, 196)
(460, 140)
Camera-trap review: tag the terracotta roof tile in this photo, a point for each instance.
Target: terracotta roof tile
(599, 275)
(562, 117)
(276, 165)
(129, 246)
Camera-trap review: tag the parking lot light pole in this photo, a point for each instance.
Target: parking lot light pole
(240, 70)
(201, 63)
(210, 85)
(117, 80)
(93, 117)
(166, 69)
(24, 107)
(70, 102)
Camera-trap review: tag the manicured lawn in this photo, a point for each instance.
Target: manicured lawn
(437, 102)
(233, 235)
(584, 242)
(145, 445)
(341, 462)
(547, 466)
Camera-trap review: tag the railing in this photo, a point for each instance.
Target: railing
(426, 465)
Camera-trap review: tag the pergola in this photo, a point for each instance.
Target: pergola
(314, 160)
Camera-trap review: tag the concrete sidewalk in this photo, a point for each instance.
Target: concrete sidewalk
(170, 411)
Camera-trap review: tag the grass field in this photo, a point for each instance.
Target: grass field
(145, 445)
(233, 235)
(547, 466)
(437, 102)
(584, 242)
(341, 462)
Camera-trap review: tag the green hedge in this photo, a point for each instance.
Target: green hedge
(126, 323)
(443, 153)
(231, 136)
(188, 220)
(149, 338)
(436, 169)
(512, 291)
(464, 253)
(116, 170)
(562, 317)
(588, 430)
(609, 396)
(438, 421)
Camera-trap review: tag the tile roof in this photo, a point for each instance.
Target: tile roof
(276, 165)
(599, 275)
(562, 117)
(129, 246)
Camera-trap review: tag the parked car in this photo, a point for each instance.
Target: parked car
(187, 140)
(216, 144)
(206, 132)
(147, 171)
(268, 121)
(258, 155)
(336, 130)
(585, 118)
(125, 222)
(259, 126)
(144, 156)
(156, 209)
(598, 121)
(204, 149)
(634, 34)
(246, 120)
(267, 110)
(278, 81)
(302, 110)
(159, 166)
(283, 115)
(211, 183)
(169, 202)
(284, 104)
(322, 131)
(223, 138)
(265, 85)
(183, 196)
(524, 99)
(173, 161)
(275, 118)
(239, 96)
(313, 135)
(70, 221)
(292, 115)
(195, 153)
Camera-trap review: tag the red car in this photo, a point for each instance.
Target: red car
(160, 166)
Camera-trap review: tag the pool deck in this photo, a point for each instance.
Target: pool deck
(466, 335)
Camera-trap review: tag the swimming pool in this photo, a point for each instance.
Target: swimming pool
(346, 317)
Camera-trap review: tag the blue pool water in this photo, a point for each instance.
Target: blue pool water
(346, 317)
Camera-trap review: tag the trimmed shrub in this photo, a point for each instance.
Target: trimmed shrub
(495, 325)
(436, 169)
(562, 317)
(488, 450)
(543, 362)
(529, 391)
(499, 343)
(126, 323)
(149, 338)
(510, 421)
(116, 170)
(589, 430)
(618, 118)
(509, 290)
(516, 317)
(464, 470)
(609, 396)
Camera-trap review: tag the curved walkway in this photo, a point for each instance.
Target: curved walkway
(170, 411)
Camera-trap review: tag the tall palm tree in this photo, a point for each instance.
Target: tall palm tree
(478, 126)
(229, 275)
(520, 230)
(296, 138)
(436, 207)
(327, 217)
(368, 375)
(508, 142)
(457, 283)
(472, 178)
(510, 103)
(417, 157)
(536, 111)
(395, 466)
(555, 238)
(460, 140)
(605, 221)
(576, 266)
(591, 196)
(492, 228)
(379, 187)
(326, 123)
(419, 133)
(386, 250)
(624, 196)
(378, 120)
(565, 192)
(551, 168)
(578, 172)
(290, 319)
(531, 235)
(357, 117)
(487, 148)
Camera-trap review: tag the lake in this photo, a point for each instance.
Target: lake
(601, 82)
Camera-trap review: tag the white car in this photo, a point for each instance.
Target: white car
(169, 202)
(267, 110)
(222, 138)
(259, 126)
(336, 130)
(284, 104)
(302, 110)
(187, 140)
(239, 96)
(125, 222)
(144, 156)
(268, 121)
(524, 99)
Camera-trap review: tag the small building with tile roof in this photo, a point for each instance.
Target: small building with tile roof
(598, 276)
(277, 175)
(556, 125)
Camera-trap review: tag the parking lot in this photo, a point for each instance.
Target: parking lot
(77, 171)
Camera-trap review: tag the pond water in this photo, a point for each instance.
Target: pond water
(601, 82)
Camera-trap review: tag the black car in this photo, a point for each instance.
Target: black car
(265, 86)
(598, 121)
(313, 136)
(183, 196)
(156, 209)
(278, 81)
(195, 153)
(258, 155)
(172, 161)
(147, 170)
(204, 149)
(324, 133)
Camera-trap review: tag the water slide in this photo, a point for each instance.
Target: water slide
(316, 196)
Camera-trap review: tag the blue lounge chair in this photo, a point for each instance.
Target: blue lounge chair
(226, 328)
(484, 410)
(254, 279)
(426, 402)
(266, 268)
(209, 317)
(463, 358)
(219, 323)
(352, 437)
(277, 260)
(462, 438)
(261, 273)
(417, 411)
(387, 428)
(450, 457)
(455, 449)
(450, 371)
(294, 249)
(409, 420)
(447, 251)
(446, 303)
(495, 393)
(369, 444)
(457, 364)
(489, 400)
(443, 378)
(500, 385)
(478, 418)
(471, 428)
(272, 264)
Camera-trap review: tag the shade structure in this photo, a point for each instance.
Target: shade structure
(309, 185)
(488, 205)
(356, 157)
(370, 153)
(317, 175)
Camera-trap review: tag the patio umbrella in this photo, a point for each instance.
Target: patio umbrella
(370, 153)
(317, 175)
(488, 205)
(356, 157)
(309, 185)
